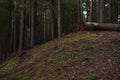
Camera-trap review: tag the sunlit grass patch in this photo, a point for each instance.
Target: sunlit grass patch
(92, 37)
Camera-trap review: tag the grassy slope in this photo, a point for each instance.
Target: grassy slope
(68, 58)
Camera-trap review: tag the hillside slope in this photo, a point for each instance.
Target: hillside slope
(77, 56)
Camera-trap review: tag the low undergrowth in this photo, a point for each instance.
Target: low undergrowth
(60, 64)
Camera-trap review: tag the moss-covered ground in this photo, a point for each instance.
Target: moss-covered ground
(77, 56)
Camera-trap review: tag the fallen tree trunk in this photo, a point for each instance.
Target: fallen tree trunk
(100, 26)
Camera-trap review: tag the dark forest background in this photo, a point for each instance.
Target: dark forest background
(26, 23)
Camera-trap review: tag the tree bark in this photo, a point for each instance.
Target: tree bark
(52, 17)
(79, 13)
(91, 9)
(102, 11)
(33, 21)
(22, 25)
(98, 9)
(59, 18)
(101, 26)
(114, 11)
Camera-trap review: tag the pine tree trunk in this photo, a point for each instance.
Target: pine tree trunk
(91, 10)
(59, 18)
(33, 21)
(98, 10)
(102, 11)
(52, 17)
(79, 13)
(22, 25)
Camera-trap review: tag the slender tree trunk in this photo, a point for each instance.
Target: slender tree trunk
(98, 10)
(79, 13)
(59, 18)
(9, 35)
(79, 10)
(33, 21)
(102, 11)
(0, 43)
(52, 17)
(87, 6)
(14, 31)
(91, 10)
(44, 27)
(12, 28)
(22, 25)
(118, 12)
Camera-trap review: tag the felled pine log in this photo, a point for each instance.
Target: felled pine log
(100, 26)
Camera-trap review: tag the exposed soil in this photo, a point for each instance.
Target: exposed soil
(77, 56)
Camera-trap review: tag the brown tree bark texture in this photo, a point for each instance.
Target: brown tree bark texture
(101, 26)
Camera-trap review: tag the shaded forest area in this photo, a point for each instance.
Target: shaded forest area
(26, 23)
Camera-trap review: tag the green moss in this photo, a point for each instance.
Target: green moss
(92, 77)
(58, 65)
(19, 76)
(51, 68)
(88, 48)
(9, 66)
(84, 59)
(65, 56)
(83, 46)
(92, 37)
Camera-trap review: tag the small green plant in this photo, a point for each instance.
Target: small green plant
(66, 56)
(92, 77)
(84, 59)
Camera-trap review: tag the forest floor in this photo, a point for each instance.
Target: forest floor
(77, 56)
